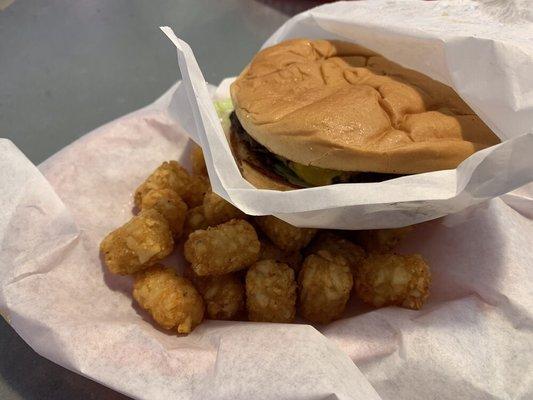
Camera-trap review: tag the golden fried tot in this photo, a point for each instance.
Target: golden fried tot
(198, 161)
(270, 252)
(287, 237)
(392, 279)
(223, 295)
(217, 210)
(141, 242)
(381, 240)
(325, 282)
(270, 292)
(337, 245)
(169, 175)
(222, 249)
(194, 220)
(172, 300)
(170, 205)
(195, 191)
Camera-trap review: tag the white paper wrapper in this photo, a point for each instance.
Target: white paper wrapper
(484, 51)
(473, 340)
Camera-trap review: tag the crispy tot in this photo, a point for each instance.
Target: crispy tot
(325, 282)
(270, 252)
(170, 205)
(270, 292)
(222, 249)
(195, 191)
(194, 220)
(338, 246)
(392, 279)
(172, 300)
(287, 237)
(169, 175)
(139, 243)
(217, 210)
(198, 161)
(223, 295)
(381, 240)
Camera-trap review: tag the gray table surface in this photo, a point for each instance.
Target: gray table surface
(67, 67)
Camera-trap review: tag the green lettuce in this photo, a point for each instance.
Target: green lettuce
(224, 108)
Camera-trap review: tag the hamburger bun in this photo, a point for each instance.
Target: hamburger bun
(339, 106)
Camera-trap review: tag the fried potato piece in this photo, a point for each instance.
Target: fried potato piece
(325, 282)
(217, 210)
(169, 175)
(170, 205)
(381, 240)
(222, 249)
(198, 161)
(338, 246)
(391, 279)
(141, 242)
(284, 235)
(223, 295)
(270, 292)
(194, 220)
(270, 252)
(171, 300)
(195, 191)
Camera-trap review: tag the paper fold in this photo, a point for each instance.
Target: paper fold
(431, 38)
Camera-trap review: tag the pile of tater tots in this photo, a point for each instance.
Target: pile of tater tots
(250, 268)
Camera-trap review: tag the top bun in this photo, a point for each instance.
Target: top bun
(337, 105)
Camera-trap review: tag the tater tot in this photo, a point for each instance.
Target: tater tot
(217, 210)
(270, 252)
(170, 205)
(169, 175)
(222, 249)
(381, 240)
(223, 295)
(141, 242)
(338, 246)
(284, 235)
(325, 282)
(198, 161)
(194, 220)
(194, 193)
(270, 292)
(172, 300)
(392, 279)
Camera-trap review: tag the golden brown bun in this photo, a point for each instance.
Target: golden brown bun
(260, 180)
(337, 105)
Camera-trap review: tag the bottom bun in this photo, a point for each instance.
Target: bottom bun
(258, 176)
(260, 180)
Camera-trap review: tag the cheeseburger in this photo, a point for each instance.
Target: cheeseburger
(317, 112)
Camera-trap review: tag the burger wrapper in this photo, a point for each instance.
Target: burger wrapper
(485, 52)
(473, 339)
